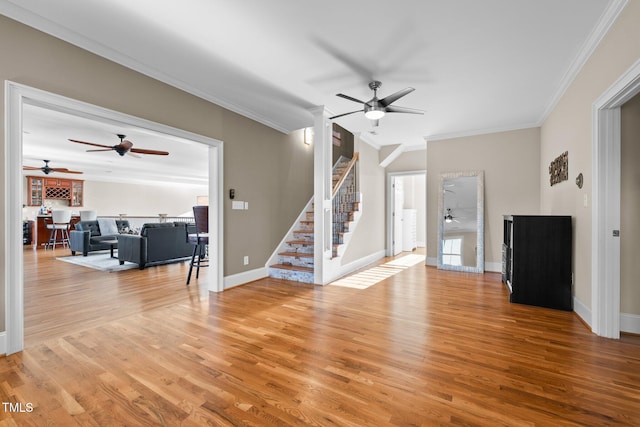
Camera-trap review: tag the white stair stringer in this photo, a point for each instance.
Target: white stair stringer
(294, 257)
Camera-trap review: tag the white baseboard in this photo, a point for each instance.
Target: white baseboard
(630, 323)
(493, 267)
(245, 277)
(346, 269)
(582, 310)
(3, 343)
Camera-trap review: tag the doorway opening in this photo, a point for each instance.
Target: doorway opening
(605, 231)
(17, 96)
(406, 211)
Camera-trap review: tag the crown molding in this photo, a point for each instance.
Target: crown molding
(47, 26)
(596, 36)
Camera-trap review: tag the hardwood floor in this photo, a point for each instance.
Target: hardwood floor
(423, 347)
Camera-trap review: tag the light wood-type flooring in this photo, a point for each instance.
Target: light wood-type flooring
(423, 347)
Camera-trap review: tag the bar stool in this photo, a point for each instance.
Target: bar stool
(60, 221)
(200, 240)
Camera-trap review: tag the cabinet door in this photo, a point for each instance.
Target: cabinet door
(35, 186)
(77, 193)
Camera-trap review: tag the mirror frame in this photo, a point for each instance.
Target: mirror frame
(479, 267)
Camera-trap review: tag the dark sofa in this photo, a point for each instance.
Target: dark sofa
(87, 237)
(158, 243)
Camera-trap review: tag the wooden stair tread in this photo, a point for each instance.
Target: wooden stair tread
(297, 254)
(292, 267)
(299, 242)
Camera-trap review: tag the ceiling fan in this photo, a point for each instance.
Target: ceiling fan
(47, 169)
(449, 217)
(123, 148)
(375, 108)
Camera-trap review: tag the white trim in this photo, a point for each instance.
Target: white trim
(582, 310)
(601, 29)
(493, 267)
(390, 204)
(392, 156)
(3, 343)
(598, 33)
(605, 249)
(245, 277)
(347, 269)
(273, 259)
(15, 96)
(58, 31)
(630, 323)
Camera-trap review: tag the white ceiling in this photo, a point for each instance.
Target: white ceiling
(477, 66)
(46, 135)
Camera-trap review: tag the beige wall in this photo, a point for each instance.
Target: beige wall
(270, 170)
(110, 198)
(568, 128)
(409, 161)
(511, 165)
(630, 207)
(369, 236)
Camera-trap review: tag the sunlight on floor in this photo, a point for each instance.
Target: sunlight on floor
(376, 274)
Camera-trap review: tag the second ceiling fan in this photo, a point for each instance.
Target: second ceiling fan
(375, 108)
(125, 147)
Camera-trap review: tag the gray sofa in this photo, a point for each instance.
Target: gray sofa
(87, 236)
(158, 243)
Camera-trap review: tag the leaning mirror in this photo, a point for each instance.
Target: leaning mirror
(461, 222)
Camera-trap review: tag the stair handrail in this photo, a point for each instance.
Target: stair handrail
(344, 175)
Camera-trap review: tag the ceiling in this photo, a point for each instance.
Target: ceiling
(46, 135)
(476, 66)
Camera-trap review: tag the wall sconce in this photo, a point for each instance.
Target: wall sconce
(308, 136)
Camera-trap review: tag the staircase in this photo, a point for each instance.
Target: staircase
(295, 259)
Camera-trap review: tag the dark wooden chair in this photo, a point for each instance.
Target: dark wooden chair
(199, 240)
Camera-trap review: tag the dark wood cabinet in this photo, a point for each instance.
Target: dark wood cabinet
(39, 189)
(536, 260)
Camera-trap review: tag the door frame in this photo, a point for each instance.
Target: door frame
(391, 201)
(16, 95)
(605, 247)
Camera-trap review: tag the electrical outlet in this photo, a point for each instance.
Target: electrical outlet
(246, 260)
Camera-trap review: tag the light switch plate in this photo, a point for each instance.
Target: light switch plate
(237, 205)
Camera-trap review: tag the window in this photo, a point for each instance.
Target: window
(452, 251)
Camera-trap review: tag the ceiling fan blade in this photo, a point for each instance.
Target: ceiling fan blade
(345, 114)
(403, 110)
(395, 96)
(90, 143)
(350, 98)
(64, 170)
(30, 168)
(360, 70)
(145, 151)
(101, 149)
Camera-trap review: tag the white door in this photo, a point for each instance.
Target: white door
(398, 205)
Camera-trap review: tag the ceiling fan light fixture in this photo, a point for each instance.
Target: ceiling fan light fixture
(374, 114)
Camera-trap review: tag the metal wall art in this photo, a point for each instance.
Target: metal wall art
(559, 168)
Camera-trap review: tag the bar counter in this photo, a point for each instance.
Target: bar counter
(41, 233)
